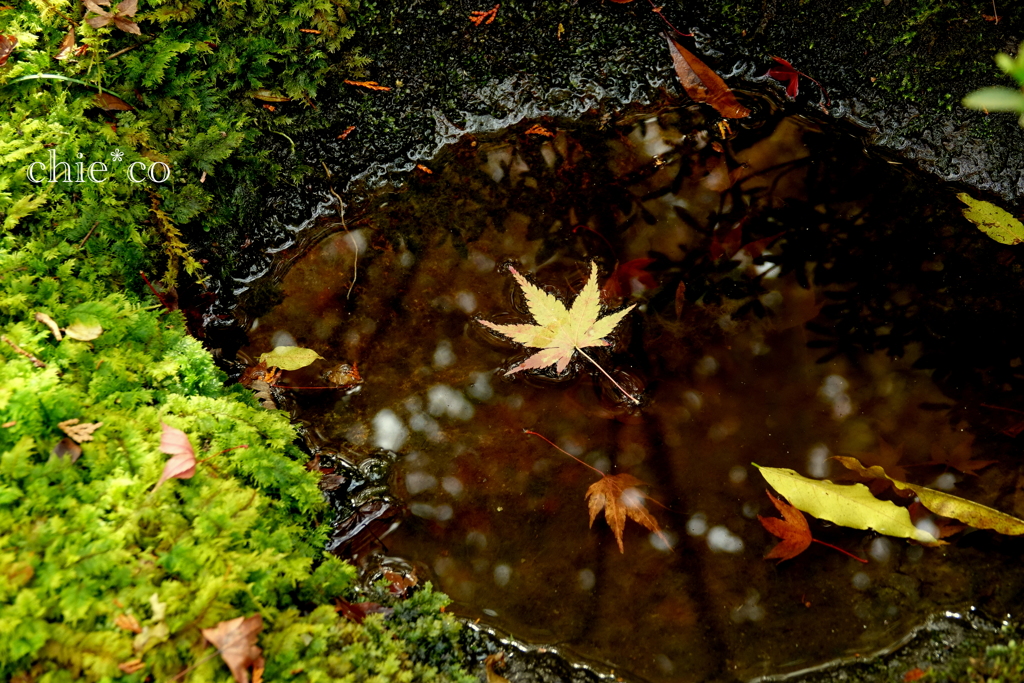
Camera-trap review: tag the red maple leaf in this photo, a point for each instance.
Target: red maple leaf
(794, 532)
(785, 72)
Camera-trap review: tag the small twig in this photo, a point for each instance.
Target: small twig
(527, 431)
(995, 12)
(658, 10)
(128, 49)
(66, 17)
(619, 386)
(88, 235)
(35, 361)
(355, 244)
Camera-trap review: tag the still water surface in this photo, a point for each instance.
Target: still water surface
(718, 350)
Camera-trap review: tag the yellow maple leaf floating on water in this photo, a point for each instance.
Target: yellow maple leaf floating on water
(560, 332)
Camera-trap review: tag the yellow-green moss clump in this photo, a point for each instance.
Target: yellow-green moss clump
(102, 576)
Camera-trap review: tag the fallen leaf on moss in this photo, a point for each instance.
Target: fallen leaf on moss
(49, 322)
(618, 496)
(358, 611)
(7, 44)
(702, 84)
(125, 9)
(108, 102)
(236, 641)
(67, 45)
(850, 506)
(128, 622)
(182, 464)
(289, 357)
(79, 432)
(67, 448)
(946, 504)
(83, 331)
(369, 85)
(132, 666)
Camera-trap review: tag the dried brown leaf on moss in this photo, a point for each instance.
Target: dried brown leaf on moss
(119, 17)
(108, 102)
(50, 323)
(80, 433)
(235, 639)
(702, 84)
(7, 44)
(66, 448)
(67, 45)
(132, 666)
(128, 622)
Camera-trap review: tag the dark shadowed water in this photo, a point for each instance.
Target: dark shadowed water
(800, 300)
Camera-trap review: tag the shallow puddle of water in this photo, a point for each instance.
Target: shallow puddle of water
(718, 350)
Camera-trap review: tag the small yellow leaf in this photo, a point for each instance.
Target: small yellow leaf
(289, 357)
(849, 506)
(83, 331)
(946, 504)
(995, 222)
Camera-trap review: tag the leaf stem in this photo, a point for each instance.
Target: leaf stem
(618, 386)
(527, 431)
(848, 554)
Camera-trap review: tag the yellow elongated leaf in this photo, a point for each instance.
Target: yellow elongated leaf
(995, 222)
(289, 357)
(849, 506)
(946, 504)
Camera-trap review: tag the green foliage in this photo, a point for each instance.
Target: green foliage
(87, 542)
(998, 98)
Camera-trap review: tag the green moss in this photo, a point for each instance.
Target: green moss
(88, 540)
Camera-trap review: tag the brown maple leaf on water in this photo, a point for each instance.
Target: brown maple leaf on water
(235, 639)
(119, 17)
(794, 532)
(618, 496)
(560, 332)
